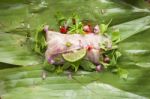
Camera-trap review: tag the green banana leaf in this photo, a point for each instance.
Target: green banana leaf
(21, 74)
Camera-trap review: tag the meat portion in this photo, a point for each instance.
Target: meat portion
(57, 44)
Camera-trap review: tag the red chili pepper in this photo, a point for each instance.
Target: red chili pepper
(87, 28)
(89, 47)
(63, 29)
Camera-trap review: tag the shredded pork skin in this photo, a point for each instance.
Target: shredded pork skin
(56, 45)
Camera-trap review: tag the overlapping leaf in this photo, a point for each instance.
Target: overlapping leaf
(19, 17)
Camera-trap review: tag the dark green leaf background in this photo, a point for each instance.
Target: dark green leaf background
(20, 67)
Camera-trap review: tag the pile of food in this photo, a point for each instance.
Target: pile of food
(79, 45)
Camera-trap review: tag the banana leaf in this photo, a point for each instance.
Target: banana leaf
(20, 18)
